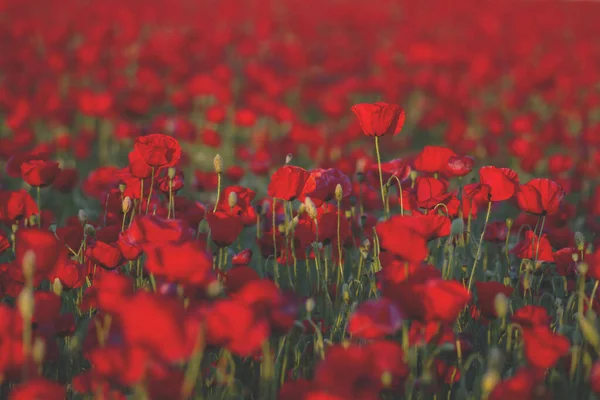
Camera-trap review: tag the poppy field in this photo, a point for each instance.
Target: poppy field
(299, 200)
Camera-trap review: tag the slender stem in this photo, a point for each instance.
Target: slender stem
(478, 254)
(276, 267)
(150, 192)
(537, 248)
(39, 204)
(380, 173)
(218, 192)
(170, 198)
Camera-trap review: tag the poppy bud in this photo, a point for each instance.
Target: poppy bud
(25, 303)
(361, 164)
(171, 172)
(122, 187)
(232, 199)
(57, 287)
(218, 163)
(575, 257)
(346, 293)
(301, 209)
(288, 158)
(15, 228)
(311, 209)
(457, 227)
(579, 240)
(82, 216)
(386, 379)
(126, 205)
(39, 351)
(32, 220)
(509, 223)
(413, 175)
(214, 289)
(506, 280)
(501, 305)
(310, 305)
(89, 230)
(339, 192)
(582, 268)
(489, 382)
(28, 266)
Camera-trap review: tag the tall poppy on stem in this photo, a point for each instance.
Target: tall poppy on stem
(379, 119)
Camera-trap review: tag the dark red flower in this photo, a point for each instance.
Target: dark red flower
(290, 182)
(158, 150)
(486, 296)
(375, 319)
(379, 118)
(433, 159)
(543, 348)
(39, 173)
(224, 227)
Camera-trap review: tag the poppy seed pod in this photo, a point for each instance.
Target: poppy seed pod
(89, 230)
(57, 287)
(311, 209)
(218, 164)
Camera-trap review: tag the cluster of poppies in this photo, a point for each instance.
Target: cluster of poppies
(202, 208)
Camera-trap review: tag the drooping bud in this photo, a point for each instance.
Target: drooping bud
(310, 305)
(89, 230)
(57, 287)
(25, 303)
(82, 216)
(39, 351)
(457, 227)
(339, 193)
(171, 172)
(232, 199)
(218, 164)
(579, 241)
(126, 205)
(28, 266)
(311, 209)
(501, 305)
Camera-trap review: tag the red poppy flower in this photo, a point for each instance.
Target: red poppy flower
(138, 165)
(531, 316)
(532, 245)
(459, 166)
(184, 262)
(158, 150)
(15, 205)
(242, 258)
(375, 319)
(433, 159)
(224, 227)
(401, 240)
(526, 383)
(39, 173)
(44, 245)
(66, 180)
(540, 197)
(155, 230)
(38, 388)
(486, 296)
(237, 277)
(108, 255)
(431, 191)
(595, 377)
(543, 348)
(496, 184)
(290, 182)
(380, 118)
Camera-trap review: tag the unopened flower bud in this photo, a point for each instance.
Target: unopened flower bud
(232, 199)
(15, 228)
(361, 164)
(413, 175)
(301, 209)
(575, 257)
(457, 227)
(310, 305)
(288, 158)
(339, 193)
(28, 266)
(579, 241)
(122, 187)
(57, 287)
(345, 293)
(89, 230)
(39, 351)
(218, 164)
(311, 209)
(25, 303)
(489, 382)
(126, 205)
(82, 216)
(33, 220)
(214, 289)
(171, 172)
(501, 305)
(386, 379)
(509, 223)
(582, 268)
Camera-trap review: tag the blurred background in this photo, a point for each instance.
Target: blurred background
(511, 82)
